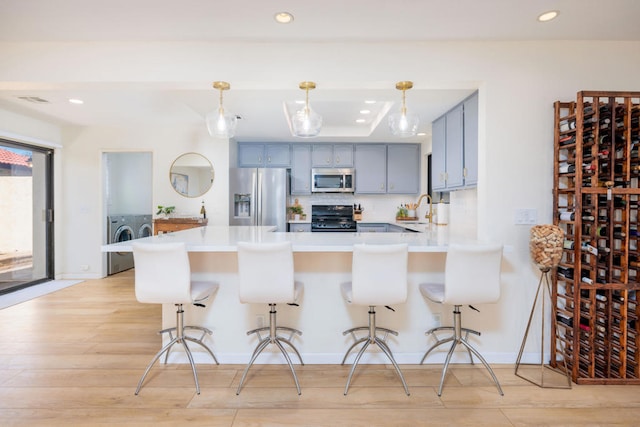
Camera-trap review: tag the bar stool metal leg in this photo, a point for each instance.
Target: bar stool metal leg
(273, 338)
(371, 338)
(182, 339)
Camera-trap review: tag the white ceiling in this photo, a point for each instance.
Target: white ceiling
(241, 21)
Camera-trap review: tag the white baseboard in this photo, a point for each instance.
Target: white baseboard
(369, 358)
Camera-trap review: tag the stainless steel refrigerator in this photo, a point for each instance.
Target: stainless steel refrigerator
(258, 197)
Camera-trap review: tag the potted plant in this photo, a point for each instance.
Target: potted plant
(165, 210)
(295, 211)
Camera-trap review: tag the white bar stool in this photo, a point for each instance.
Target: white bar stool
(379, 277)
(163, 276)
(472, 276)
(265, 273)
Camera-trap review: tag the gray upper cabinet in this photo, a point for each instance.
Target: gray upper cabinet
(403, 168)
(454, 156)
(332, 155)
(454, 148)
(264, 155)
(371, 168)
(471, 140)
(301, 169)
(438, 154)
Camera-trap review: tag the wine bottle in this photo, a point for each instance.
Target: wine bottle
(566, 272)
(587, 280)
(565, 167)
(568, 244)
(588, 218)
(619, 202)
(567, 216)
(585, 246)
(567, 140)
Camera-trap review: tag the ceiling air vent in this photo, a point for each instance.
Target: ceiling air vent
(34, 99)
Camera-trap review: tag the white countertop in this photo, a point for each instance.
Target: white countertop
(225, 239)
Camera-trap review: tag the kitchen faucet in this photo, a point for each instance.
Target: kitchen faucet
(428, 216)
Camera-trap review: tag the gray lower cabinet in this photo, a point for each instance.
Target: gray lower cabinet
(299, 228)
(403, 168)
(380, 227)
(264, 155)
(301, 169)
(371, 168)
(392, 228)
(372, 228)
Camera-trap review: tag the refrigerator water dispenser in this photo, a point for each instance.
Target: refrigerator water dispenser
(241, 205)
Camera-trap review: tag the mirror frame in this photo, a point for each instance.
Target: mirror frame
(179, 181)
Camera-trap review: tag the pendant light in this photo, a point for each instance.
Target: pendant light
(401, 123)
(219, 123)
(305, 122)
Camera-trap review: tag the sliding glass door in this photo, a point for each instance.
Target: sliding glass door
(26, 215)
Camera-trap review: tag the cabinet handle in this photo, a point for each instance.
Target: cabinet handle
(259, 159)
(269, 159)
(382, 186)
(391, 187)
(328, 160)
(337, 159)
(464, 172)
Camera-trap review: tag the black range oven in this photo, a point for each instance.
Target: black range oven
(332, 218)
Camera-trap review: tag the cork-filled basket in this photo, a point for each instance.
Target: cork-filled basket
(546, 246)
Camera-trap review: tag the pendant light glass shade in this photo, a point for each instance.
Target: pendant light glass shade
(403, 124)
(305, 122)
(219, 123)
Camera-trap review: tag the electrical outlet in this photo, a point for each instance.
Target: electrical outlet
(437, 320)
(525, 216)
(84, 267)
(260, 320)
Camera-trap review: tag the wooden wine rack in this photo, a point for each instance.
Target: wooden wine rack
(596, 172)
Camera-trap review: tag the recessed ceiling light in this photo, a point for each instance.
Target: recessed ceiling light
(365, 111)
(76, 101)
(548, 16)
(421, 134)
(283, 17)
(370, 102)
(360, 120)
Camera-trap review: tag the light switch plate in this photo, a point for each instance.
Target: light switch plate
(525, 216)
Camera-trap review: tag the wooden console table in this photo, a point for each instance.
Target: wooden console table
(169, 225)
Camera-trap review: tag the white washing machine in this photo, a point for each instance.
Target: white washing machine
(143, 226)
(120, 229)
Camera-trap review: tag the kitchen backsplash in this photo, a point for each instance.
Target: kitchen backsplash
(377, 208)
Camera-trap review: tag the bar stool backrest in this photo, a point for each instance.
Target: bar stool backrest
(162, 273)
(265, 272)
(379, 274)
(472, 274)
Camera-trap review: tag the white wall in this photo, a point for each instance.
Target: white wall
(83, 204)
(518, 83)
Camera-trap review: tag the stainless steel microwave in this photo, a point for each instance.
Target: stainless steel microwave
(331, 180)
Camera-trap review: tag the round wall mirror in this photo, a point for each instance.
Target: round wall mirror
(191, 175)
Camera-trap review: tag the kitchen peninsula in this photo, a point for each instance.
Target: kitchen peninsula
(322, 262)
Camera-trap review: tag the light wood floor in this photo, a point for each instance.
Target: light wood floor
(75, 356)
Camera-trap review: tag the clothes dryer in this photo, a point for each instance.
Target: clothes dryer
(143, 226)
(119, 229)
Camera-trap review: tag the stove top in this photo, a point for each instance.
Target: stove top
(332, 218)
